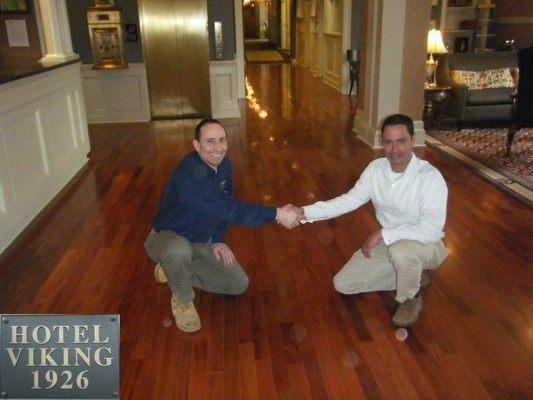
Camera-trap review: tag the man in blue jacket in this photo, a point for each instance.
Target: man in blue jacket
(195, 209)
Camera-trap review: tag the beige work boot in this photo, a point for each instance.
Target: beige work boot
(187, 319)
(159, 274)
(425, 279)
(407, 313)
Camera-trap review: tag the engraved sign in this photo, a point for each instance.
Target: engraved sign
(59, 356)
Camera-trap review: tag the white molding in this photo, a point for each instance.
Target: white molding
(118, 95)
(364, 132)
(239, 48)
(332, 61)
(43, 84)
(372, 59)
(391, 56)
(420, 134)
(40, 29)
(372, 135)
(224, 92)
(56, 29)
(43, 143)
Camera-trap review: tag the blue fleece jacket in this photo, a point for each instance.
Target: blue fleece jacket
(197, 203)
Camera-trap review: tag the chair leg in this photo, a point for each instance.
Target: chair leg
(510, 136)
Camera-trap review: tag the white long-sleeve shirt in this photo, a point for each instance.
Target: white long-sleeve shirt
(409, 205)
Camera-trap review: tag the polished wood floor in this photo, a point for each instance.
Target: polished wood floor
(291, 336)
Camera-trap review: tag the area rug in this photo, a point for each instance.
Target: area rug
(488, 146)
(260, 56)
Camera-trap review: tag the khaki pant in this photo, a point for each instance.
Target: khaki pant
(395, 267)
(189, 264)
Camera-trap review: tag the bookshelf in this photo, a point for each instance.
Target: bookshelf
(466, 25)
(484, 38)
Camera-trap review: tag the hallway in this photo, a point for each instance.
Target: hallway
(290, 336)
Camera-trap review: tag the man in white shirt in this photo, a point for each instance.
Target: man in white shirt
(409, 196)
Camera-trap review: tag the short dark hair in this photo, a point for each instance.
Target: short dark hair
(399, 119)
(202, 123)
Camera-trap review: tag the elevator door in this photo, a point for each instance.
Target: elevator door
(176, 55)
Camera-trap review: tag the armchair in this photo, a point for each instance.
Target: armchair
(468, 105)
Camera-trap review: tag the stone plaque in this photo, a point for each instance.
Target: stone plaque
(59, 356)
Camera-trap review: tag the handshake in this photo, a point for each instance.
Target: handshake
(289, 216)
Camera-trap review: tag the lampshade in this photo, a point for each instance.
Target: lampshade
(435, 44)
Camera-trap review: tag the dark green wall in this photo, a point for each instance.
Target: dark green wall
(222, 10)
(77, 15)
(357, 12)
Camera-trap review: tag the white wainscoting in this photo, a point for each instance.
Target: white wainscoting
(43, 143)
(332, 59)
(224, 89)
(117, 95)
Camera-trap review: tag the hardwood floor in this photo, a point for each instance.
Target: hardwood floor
(290, 336)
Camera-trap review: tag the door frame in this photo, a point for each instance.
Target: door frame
(239, 47)
(285, 25)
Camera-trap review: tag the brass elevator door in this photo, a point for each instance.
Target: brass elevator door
(176, 55)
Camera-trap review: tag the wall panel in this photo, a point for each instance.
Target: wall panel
(43, 144)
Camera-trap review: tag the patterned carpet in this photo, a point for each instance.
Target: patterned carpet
(488, 146)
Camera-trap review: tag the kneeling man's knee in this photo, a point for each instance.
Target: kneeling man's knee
(404, 252)
(240, 285)
(178, 251)
(341, 285)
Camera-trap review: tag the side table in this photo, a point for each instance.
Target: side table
(435, 100)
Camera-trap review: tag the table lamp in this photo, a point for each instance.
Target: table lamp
(435, 46)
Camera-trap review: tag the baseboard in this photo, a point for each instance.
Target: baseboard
(420, 134)
(372, 136)
(366, 133)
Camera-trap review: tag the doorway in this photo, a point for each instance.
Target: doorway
(317, 39)
(262, 22)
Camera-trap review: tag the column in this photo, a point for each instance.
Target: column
(56, 31)
(394, 70)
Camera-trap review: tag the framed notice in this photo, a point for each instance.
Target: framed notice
(14, 6)
(17, 33)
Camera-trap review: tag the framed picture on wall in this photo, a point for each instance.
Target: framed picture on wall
(14, 6)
